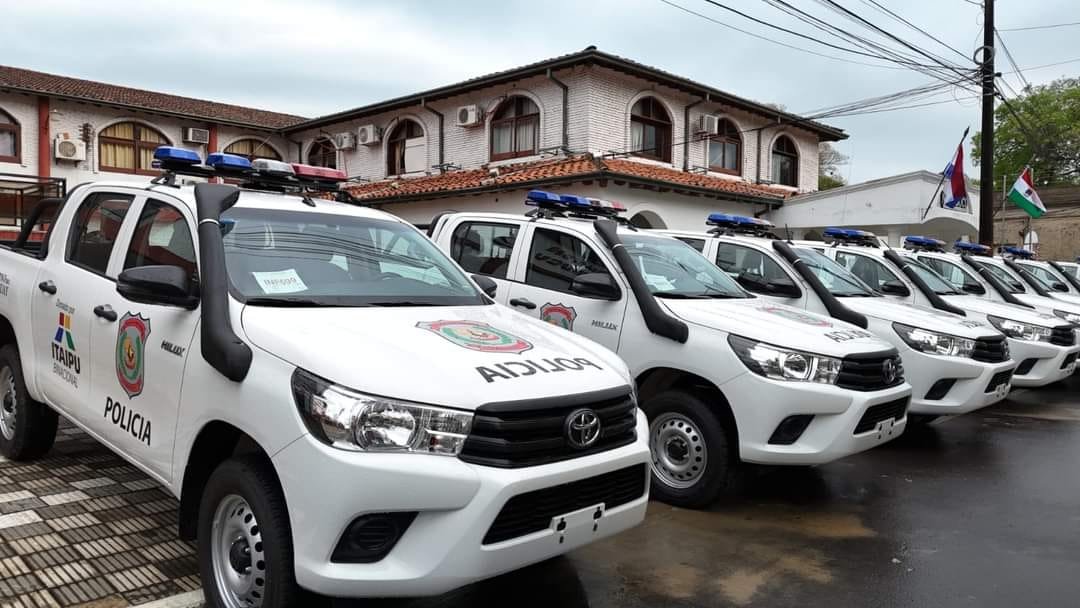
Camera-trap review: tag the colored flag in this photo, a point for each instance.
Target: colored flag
(955, 196)
(1023, 195)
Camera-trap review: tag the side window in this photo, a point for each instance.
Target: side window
(94, 229)
(1005, 277)
(162, 237)
(948, 271)
(871, 271)
(698, 244)
(737, 260)
(484, 248)
(556, 259)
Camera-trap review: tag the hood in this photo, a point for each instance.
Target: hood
(923, 318)
(1048, 304)
(1069, 299)
(767, 321)
(1005, 311)
(459, 357)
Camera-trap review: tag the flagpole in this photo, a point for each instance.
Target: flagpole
(942, 180)
(1004, 180)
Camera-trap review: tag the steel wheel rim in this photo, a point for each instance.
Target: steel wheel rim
(7, 403)
(679, 453)
(239, 563)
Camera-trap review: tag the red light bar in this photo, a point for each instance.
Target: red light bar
(319, 173)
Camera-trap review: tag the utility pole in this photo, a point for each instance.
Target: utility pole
(986, 177)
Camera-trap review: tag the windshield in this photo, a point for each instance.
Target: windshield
(674, 269)
(283, 258)
(957, 276)
(838, 280)
(1011, 281)
(1044, 276)
(933, 280)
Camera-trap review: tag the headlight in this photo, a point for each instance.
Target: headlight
(784, 364)
(926, 341)
(1021, 331)
(1071, 317)
(349, 420)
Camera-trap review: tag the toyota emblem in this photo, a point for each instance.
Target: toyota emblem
(582, 428)
(888, 371)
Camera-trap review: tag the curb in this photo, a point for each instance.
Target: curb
(191, 599)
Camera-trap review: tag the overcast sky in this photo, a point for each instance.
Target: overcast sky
(320, 56)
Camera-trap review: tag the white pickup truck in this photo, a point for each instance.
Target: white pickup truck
(314, 381)
(725, 377)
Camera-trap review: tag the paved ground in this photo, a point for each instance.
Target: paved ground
(978, 511)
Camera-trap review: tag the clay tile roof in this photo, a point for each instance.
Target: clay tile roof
(563, 170)
(61, 86)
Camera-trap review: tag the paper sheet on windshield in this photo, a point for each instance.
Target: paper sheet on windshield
(279, 281)
(658, 282)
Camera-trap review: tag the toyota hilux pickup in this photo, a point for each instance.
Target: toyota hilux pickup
(950, 360)
(314, 381)
(900, 276)
(1050, 279)
(724, 377)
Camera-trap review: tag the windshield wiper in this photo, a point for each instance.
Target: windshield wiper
(287, 302)
(404, 303)
(674, 295)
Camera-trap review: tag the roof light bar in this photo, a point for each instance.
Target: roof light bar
(319, 173)
(924, 243)
(180, 156)
(228, 162)
(544, 200)
(263, 173)
(972, 248)
(572, 201)
(276, 168)
(739, 223)
(1018, 252)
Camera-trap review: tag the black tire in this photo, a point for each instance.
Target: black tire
(34, 429)
(722, 471)
(252, 479)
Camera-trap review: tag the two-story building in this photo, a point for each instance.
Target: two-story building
(668, 148)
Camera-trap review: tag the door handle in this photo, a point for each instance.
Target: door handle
(48, 287)
(522, 303)
(105, 312)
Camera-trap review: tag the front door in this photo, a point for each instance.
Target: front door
(754, 270)
(142, 348)
(544, 287)
(486, 247)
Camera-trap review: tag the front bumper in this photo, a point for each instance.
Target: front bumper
(761, 404)
(968, 393)
(326, 489)
(1051, 362)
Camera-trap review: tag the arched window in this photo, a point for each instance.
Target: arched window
(515, 129)
(725, 149)
(252, 149)
(323, 153)
(650, 130)
(128, 147)
(785, 162)
(406, 148)
(9, 138)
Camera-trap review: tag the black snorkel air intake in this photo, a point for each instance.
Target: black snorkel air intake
(989, 277)
(1068, 276)
(1026, 276)
(835, 308)
(221, 348)
(656, 319)
(935, 299)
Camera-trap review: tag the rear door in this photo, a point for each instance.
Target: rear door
(553, 258)
(486, 247)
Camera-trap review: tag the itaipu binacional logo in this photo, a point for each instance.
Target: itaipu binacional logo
(477, 336)
(131, 352)
(558, 314)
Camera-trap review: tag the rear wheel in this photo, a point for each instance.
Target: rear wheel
(27, 428)
(693, 461)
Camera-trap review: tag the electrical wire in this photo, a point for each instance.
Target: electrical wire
(915, 27)
(1039, 27)
(1047, 65)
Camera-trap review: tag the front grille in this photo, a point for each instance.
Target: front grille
(867, 372)
(999, 379)
(532, 512)
(883, 411)
(991, 350)
(1063, 335)
(1069, 360)
(527, 433)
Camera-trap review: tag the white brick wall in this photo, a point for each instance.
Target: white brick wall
(23, 108)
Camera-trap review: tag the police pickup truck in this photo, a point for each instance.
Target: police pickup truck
(725, 377)
(944, 355)
(315, 382)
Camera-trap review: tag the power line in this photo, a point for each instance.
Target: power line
(915, 27)
(1038, 27)
(1047, 65)
(1008, 55)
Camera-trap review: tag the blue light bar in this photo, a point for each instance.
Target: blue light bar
(1019, 252)
(848, 233)
(924, 241)
(727, 219)
(543, 198)
(228, 162)
(976, 248)
(169, 154)
(575, 202)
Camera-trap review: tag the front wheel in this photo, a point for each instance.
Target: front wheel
(693, 461)
(27, 428)
(245, 542)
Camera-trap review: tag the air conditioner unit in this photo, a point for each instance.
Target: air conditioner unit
(196, 136)
(69, 149)
(345, 141)
(469, 116)
(708, 125)
(367, 135)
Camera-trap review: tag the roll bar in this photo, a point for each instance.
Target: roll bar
(936, 300)
(835, 307)
(998, 286)
(657, 320)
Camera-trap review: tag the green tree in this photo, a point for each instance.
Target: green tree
(829, 161)
(1046, 136)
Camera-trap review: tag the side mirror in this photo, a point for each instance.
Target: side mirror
(974, 288)
(598, 285)
(895, 288)
(487, 284)
(1059, 286)
(168, 285)
(782, 288)
(753, 282)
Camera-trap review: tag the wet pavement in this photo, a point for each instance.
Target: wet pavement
(983, 510)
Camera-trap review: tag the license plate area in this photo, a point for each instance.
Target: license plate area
(884, 429)
(578, 524)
